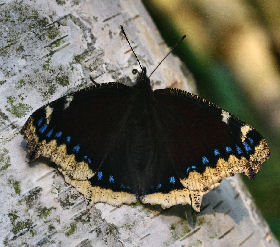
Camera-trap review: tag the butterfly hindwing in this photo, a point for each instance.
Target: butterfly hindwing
(205, 139)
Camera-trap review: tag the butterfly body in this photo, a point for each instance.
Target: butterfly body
(120, 144)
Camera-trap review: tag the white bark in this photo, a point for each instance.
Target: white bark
(48, 48)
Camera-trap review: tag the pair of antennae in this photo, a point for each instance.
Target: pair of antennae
(184, 36)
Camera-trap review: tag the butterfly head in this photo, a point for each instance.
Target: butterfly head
(142, 78)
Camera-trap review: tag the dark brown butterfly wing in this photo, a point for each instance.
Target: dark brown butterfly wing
(84, 134)
(205, 144)
(116, 144)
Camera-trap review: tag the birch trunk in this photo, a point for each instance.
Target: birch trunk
(49, 48)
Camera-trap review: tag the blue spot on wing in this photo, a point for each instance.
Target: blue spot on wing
(172, 180)
(40, 121)
(238, 149)
(191, 168)
(68, 139)
(49, 133)
(58, 134)
(216, 152)
(247, 147)
(76, 149)
(111, 179)
(87, 159)
(205, 160)
(122, 186)
(43, 128)
(99, 175)
(158, 186)
(228, 149)
(250, 140)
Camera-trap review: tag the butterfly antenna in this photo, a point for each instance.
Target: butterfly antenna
(131, 47)
(178, 42)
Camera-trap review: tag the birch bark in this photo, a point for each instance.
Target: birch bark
(49, 48)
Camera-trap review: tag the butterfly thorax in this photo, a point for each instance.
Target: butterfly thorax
(143, 84)
(140, 134)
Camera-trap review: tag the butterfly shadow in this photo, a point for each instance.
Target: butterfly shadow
(217, 201)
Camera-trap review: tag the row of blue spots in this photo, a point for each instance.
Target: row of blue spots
(237, 148)
(75, 149)
(228, 149)
(111, 178)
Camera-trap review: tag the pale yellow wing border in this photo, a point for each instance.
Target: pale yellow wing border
(75, 173)
(196, 185)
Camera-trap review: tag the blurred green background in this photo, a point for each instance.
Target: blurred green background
(233, 51)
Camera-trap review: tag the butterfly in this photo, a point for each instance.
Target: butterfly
(119, 144)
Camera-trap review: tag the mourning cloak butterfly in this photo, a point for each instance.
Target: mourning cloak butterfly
(119, 144)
